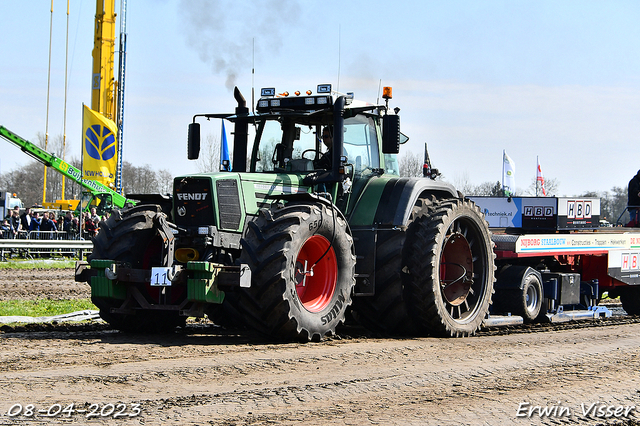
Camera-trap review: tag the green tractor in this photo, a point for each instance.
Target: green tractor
(289, 246)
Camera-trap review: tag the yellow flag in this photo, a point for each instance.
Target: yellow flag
(99, 147)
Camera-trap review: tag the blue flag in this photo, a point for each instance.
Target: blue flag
(225, 162)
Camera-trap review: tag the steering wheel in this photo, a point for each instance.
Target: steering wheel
(307, 150)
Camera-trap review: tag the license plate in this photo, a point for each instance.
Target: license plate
(159, 277)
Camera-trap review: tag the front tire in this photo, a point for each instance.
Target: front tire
(131, 236)
(450, 269)
(302, 260)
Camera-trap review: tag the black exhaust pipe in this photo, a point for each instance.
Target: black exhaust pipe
(241, 133)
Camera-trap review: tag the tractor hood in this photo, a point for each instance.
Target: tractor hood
(225, 199)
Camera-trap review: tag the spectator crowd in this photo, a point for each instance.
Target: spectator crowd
(34, 224)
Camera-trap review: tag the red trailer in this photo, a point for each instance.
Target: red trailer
(555, 262)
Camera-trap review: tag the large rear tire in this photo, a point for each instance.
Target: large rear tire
(386, 311)
(131, 236)
(450, 269)
(302, 262)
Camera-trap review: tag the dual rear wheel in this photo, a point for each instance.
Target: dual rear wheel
(449, 269)
(434, 277)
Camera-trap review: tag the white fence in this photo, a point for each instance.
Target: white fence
(44, 243)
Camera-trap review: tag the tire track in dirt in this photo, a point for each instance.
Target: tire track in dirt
(31, 284)
(191, 379)
(208, 375)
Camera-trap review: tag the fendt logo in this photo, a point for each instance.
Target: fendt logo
(192, 196)
(100, 142)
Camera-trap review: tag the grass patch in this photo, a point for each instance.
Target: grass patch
(37, 264)
(43, 307)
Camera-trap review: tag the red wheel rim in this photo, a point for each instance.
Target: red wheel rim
(456, 269)
(315, 285)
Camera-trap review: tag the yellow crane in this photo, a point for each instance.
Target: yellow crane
(103, 84)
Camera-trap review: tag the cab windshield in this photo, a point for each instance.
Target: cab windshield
(293, 144)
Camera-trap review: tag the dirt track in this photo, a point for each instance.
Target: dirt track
(56, 284)
(207, 375)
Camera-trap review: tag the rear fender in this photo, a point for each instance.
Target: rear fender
(388, 203)
(385, 206)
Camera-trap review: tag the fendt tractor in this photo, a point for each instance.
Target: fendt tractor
(289, 246)
(303, 237)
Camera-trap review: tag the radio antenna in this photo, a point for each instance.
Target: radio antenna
(339, 40)
(253, 72)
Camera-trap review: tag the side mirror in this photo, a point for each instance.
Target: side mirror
(193, 143)
(391, 134)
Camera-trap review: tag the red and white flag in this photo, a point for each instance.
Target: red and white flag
(540, 179)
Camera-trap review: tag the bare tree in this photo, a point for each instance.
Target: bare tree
(612, 204)
(28, 180)
(165, 182)
(617, 203)
(265, 158)
(209, 159)
(462, 184)
(138, 180)
(550, 185)
(410, 164)
(57, 146)
(491, 189)
(144, 180)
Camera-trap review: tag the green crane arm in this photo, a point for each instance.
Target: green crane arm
(63, 167)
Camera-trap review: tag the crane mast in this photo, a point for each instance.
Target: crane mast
(122, 60)
(103, 84)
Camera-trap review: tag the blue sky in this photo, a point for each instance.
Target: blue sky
(558, 80)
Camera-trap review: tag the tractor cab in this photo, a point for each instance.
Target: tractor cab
(336, 142)
(289, 132)
(294, 143)
(360, 141)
